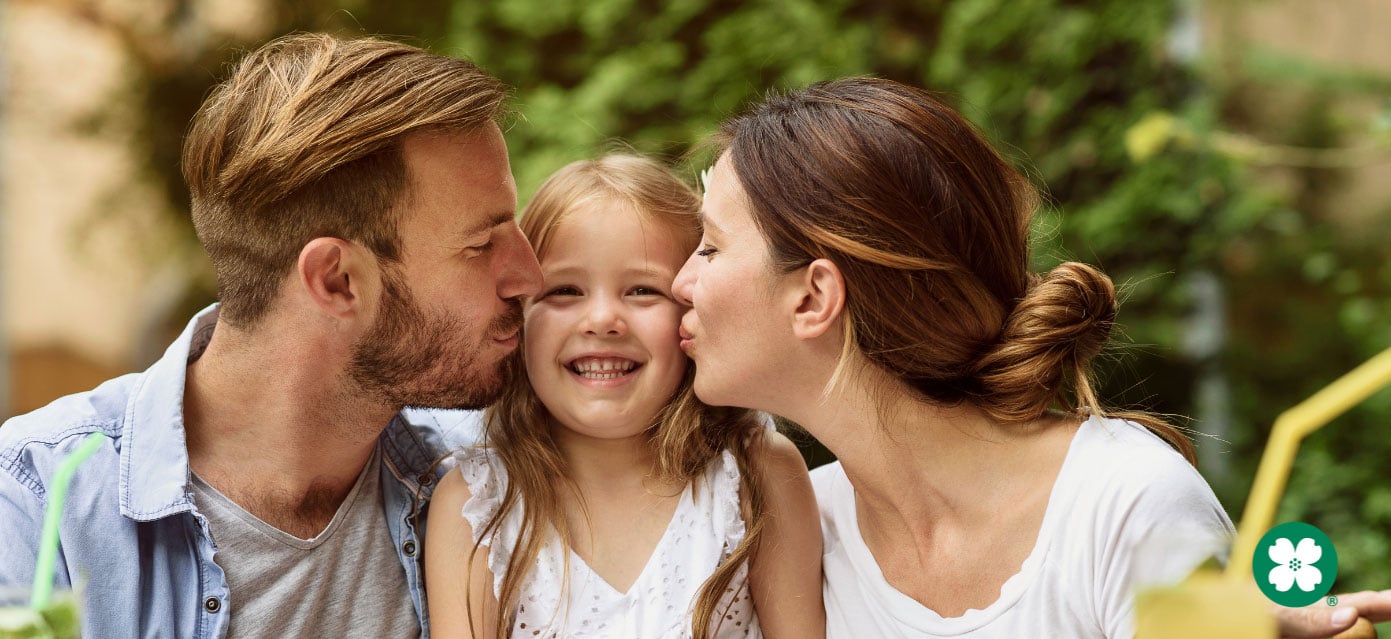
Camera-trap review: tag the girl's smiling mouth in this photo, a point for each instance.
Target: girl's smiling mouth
(602, 368)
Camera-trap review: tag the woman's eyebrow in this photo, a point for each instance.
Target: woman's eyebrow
(707, 222)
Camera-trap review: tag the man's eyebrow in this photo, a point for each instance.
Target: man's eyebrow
(497, 219)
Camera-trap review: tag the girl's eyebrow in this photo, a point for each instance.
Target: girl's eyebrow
(568, 269)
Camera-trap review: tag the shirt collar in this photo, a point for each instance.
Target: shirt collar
(413, 446)
(154, 452)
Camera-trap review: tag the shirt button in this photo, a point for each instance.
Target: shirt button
(212, 604)
(408, 548)
(427, 478)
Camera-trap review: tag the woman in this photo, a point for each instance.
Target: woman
(979, 491)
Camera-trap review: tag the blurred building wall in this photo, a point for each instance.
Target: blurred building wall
(1350, 35)
(72, 276)
(86, 253)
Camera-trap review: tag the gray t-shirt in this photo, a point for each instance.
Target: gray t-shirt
(346, 582)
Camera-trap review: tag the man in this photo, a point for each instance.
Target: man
(357, 204)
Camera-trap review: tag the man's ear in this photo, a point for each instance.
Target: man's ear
(333, 273)
(822, 298)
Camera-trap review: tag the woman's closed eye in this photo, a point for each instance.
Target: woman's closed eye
(707, 252)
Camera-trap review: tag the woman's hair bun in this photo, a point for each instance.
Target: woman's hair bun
(1049, 339)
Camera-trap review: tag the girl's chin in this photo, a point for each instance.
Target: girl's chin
(606, 424)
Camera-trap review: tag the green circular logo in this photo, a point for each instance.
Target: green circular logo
(1295, 564)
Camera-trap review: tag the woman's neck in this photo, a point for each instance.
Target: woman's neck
(917, 461)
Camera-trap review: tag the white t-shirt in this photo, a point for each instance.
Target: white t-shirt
(706, 527)
(1119, 484)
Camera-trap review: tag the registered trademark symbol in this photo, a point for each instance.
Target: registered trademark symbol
(1332, 600)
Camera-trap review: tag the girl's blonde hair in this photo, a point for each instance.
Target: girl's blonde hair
(686, 436)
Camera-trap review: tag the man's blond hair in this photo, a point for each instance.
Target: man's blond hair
(304, 141)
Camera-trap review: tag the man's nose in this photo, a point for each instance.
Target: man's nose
(520, 273)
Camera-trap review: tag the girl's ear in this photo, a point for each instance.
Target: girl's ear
(821, 298)
(334, 274)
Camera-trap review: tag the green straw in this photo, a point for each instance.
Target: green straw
(53, 516)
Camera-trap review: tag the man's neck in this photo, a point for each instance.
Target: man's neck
(271, 425)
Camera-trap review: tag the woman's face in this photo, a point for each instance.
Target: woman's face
(733, 330)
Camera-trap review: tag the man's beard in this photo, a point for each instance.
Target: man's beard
(409, 358)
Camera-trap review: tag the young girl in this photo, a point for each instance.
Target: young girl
(606, 501)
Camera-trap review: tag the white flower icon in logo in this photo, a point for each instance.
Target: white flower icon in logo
(1295, 565)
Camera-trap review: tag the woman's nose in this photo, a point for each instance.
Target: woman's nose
(685, 281)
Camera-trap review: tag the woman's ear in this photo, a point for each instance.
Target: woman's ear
(332, 272)
(822, 298)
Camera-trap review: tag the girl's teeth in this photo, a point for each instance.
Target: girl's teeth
(614, 375)
(618, 366)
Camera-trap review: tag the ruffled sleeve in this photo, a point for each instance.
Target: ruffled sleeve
(487, 481)
(724, 478)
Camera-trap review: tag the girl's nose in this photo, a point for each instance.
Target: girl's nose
(603, 317)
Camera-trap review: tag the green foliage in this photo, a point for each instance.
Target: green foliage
(660, 80)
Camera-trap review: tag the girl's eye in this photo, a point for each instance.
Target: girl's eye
(562, 290)
(644, 290)
(706, 252)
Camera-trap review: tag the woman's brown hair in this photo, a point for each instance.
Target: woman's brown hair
(686, 435)
(929, 226)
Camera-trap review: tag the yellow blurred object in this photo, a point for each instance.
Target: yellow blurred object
(1149, 136)
(1204, 605)
(1229, 605)
(1292, 426)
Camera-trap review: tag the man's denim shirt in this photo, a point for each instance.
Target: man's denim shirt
(130, 532)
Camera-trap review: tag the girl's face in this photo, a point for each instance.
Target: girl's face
(735, 331)
(601, 339)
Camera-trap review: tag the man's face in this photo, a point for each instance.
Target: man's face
(450, 312)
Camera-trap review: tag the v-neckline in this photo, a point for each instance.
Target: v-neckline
(683, 503)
